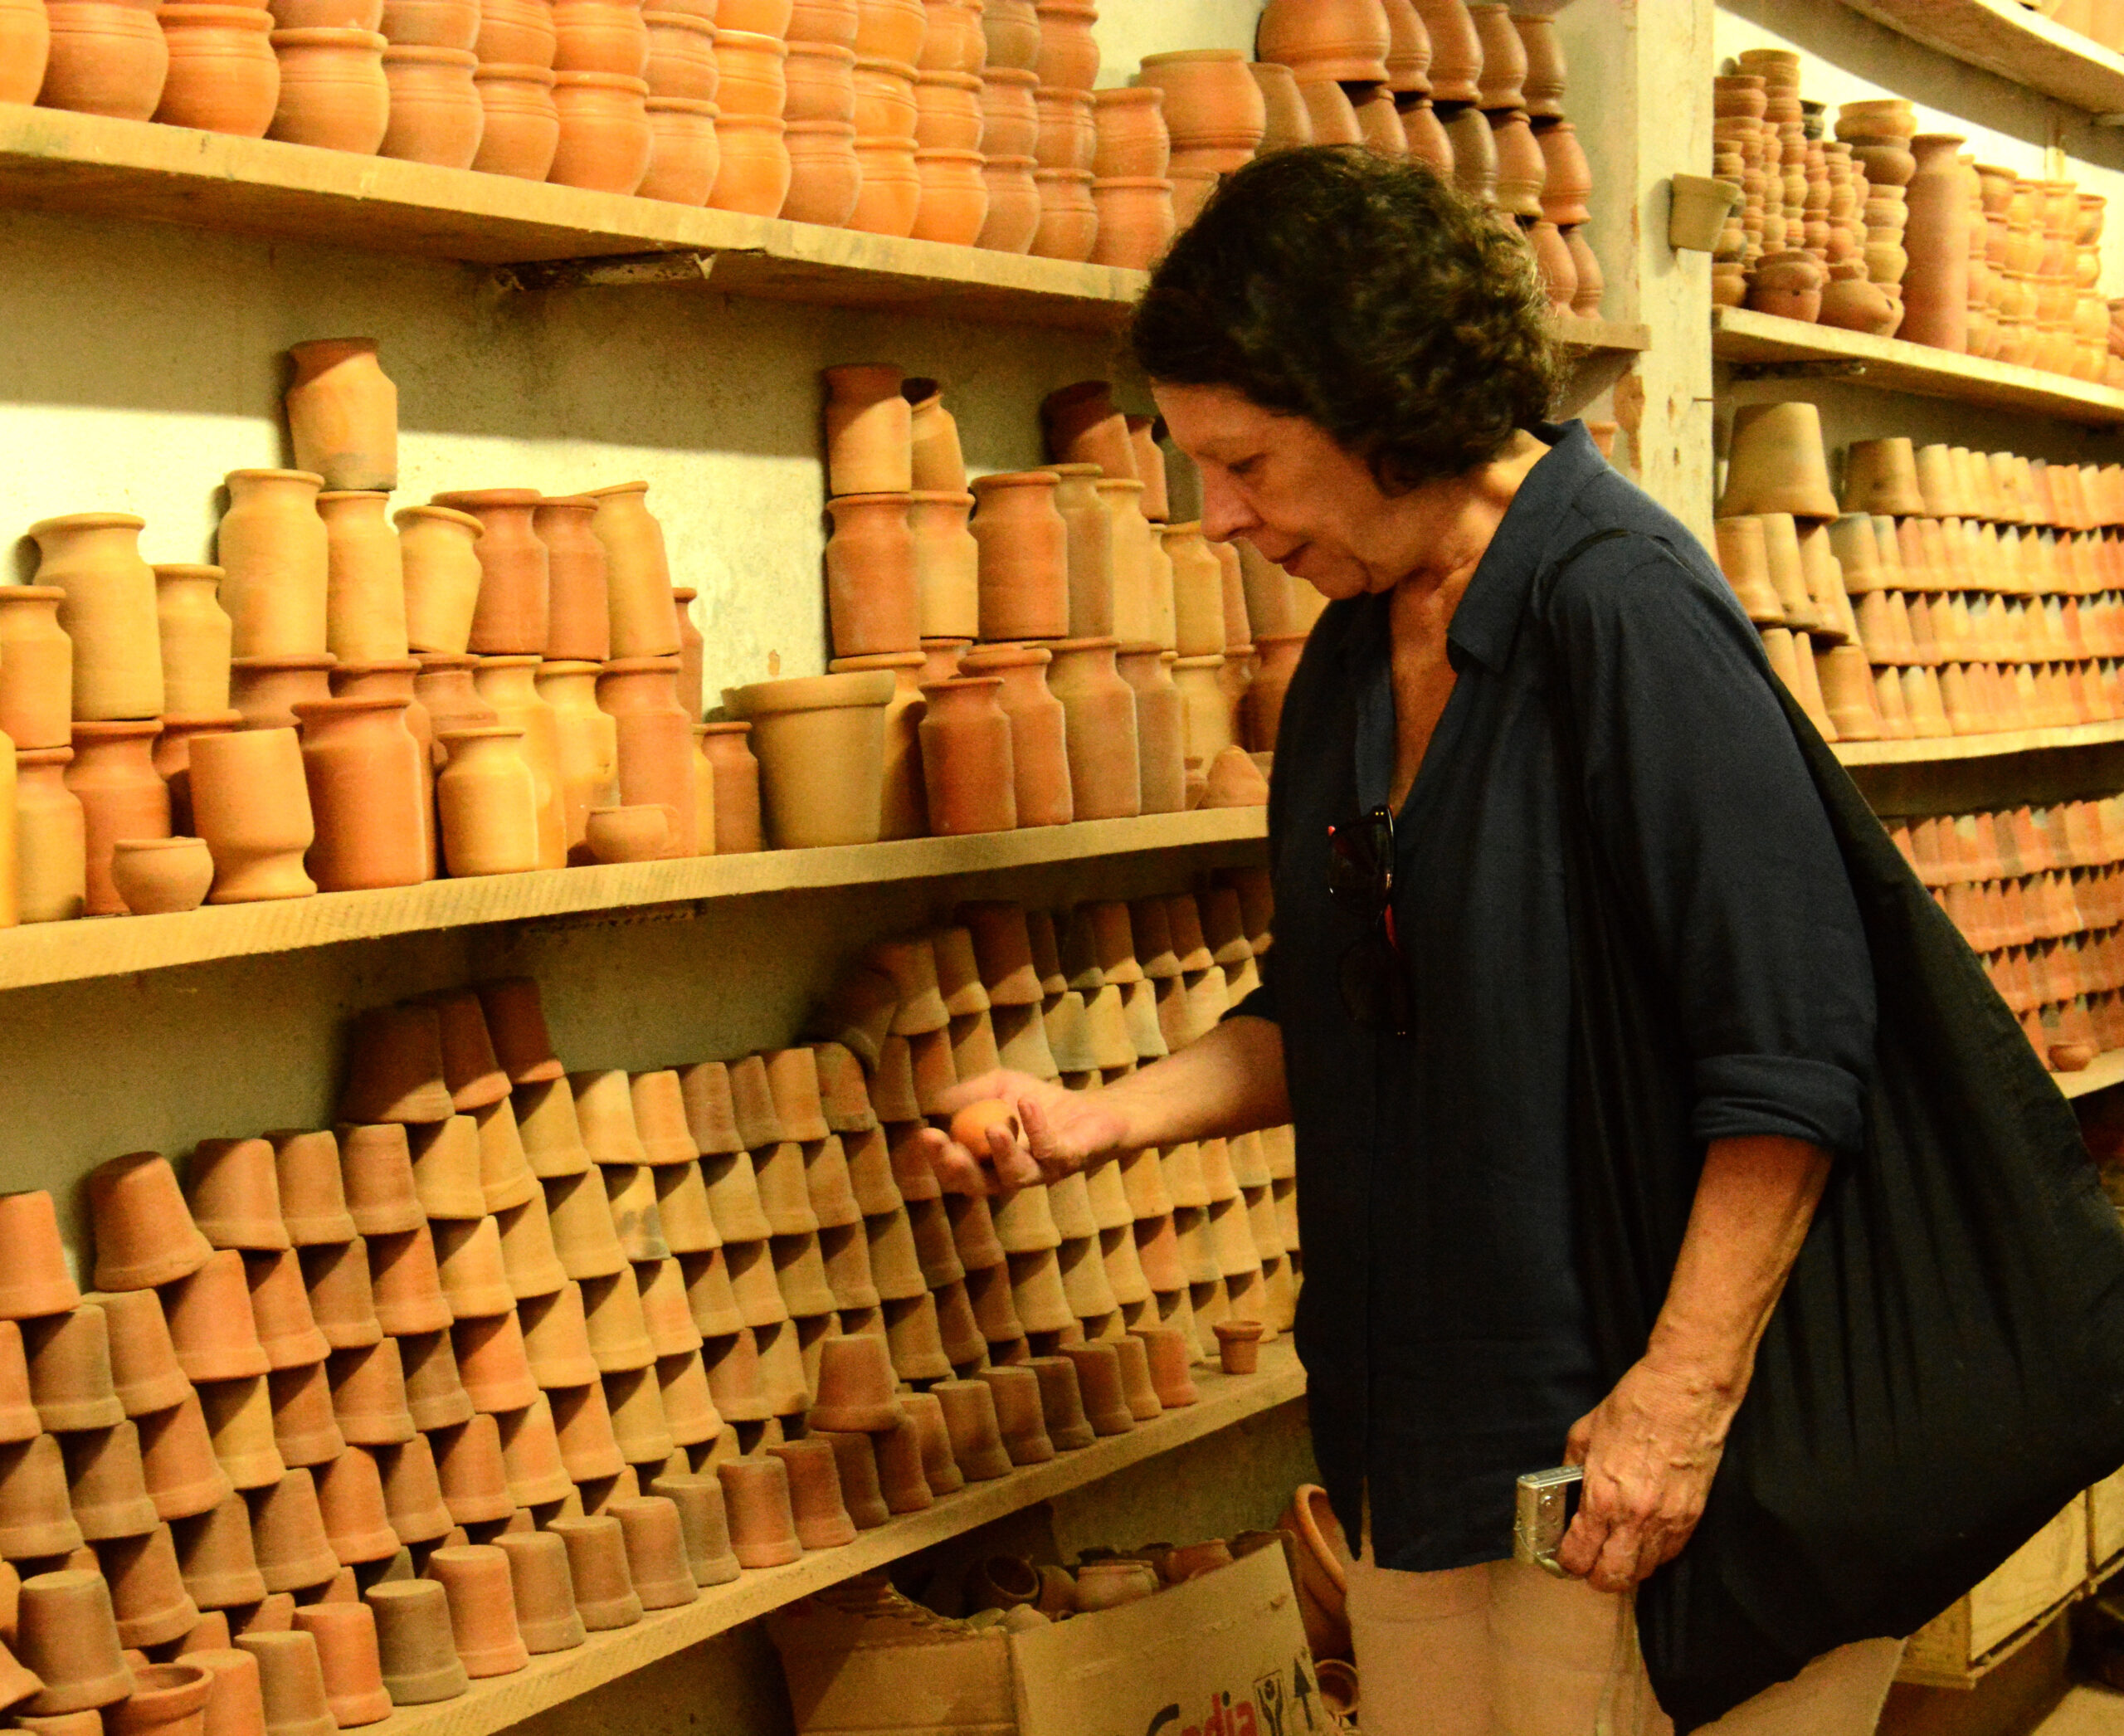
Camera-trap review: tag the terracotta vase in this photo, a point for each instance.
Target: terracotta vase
(819, 741)
(369, 791)
(508, 685)
(946, 564)
(106, 606)
(193, 635)
(365, 609)
(1038, 755)
(36, 662)
(492, 818)
(1014, 209)
(113, 776)
(332, 90)
(738, 814)
(681, 59)
(683, 158)
(156, 877)
(604, 136)
(965, 756)
(643, 618)
(1936, 286)
(905, 810)
(439, 564)
(1160, 727)
(1023, 560)
(754, 176)
(511, 615)
(1130, 130)
(437, 115)
(102, 59)
(222, 75)
(273, 553)
(824, 179)
(654, 741)
(51, 838)
(521, 122)
(343, 412)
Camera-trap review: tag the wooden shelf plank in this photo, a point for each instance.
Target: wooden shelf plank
(2005, 37)
(499, 1702)
(92, 165)
(1891, 365)
(2103, 1071)
(1977, 747)
(63, 952)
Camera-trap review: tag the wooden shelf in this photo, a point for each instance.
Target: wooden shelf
(1891, 365)
(2005, 37)
(1977, 747)
(499, 1702)
(2103, 1071)
(65, 952)
(90, 165)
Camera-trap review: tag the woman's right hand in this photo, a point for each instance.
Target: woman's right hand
(1060, 1132)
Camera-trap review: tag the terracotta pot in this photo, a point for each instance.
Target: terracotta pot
(654, 741)
(588, 746)
(1066, 137)
(1290, 117)
(343, 412)
(766, 17)
(600, 36)
(25, 45)
(431, 23)
(36, 662)
(965, 758)
(904, 812)
(509, 685)
(437, 114)
(490, 811)
(1069, 219)
(605, 1596)
(344, 1635)
(1936, 287)
(888, 196)
(685, 159)
(516, 32)
(332, 90)
(948, 113)
(1345, 40)
(1135, 221)
(419, 1656)
(1040, 761)
(1024, 563)
(869, 430)
(1101, 734)
(367, 795)
(439, 562)
(193, 634)
(1010, 113)
(102, 59)
(475, 1581)
(885, 105)
(222, 75)
(873, 598)
(952, 39)
(1014, 204)
(738, 814)
(275, 556)
(605, 137)
(49, 838)
(155, 876)
(1069, 54)
(953, 203)
(113, 776)
(68, 1635)
(105, 609)
(366, 592)
(825, 178)
(821, 82)
(1210, 99)
(820, 743)
(754, 173)
(1160, 727)
(511, 616)
(1775, 463)
(521, 130)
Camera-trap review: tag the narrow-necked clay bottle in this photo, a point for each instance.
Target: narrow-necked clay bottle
(1160, 727)
(36, 663)
(343, 412)
(738, 826)
(439, 555)
(103, 58)
(655, 740)
(578, 622)
(511, 617)
(1039, 753)
(108, 612)
(274, 559)
(488, 802)
(113, 775)
(365, 591)
(369, 791)
(195, 637)
(589, 746)
(906, 810)
(644, 617)
(251, 802)
(965, 756)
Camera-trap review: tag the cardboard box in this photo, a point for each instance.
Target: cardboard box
(1221, 1655)
(2105, 1522)
(2046, 1572)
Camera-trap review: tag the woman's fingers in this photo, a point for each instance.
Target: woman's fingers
(1015, 1166)
(958, 1171)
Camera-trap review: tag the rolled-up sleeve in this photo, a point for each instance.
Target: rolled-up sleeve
(1709, 819)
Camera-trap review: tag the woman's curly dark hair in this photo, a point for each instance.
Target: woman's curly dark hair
(1366, 295)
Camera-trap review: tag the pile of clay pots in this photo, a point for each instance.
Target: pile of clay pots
(1025, 648)
(513, 1355)
(2039, 892)
(497, 682)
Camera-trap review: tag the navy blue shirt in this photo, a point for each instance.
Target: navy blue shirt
(1442, 1324)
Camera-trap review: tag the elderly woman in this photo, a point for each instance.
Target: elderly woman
(1355, 358)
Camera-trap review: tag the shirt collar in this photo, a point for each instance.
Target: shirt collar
(1487, 620)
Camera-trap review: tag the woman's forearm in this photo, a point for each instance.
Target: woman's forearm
(1753, 1204)
(1230, 1080)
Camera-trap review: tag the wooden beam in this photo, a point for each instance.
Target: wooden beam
(2012, 41)
(1998, 742)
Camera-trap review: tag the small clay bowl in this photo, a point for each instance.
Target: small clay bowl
(156, 877)
(628, 834)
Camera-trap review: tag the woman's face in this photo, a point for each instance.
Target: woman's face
(1280, 483)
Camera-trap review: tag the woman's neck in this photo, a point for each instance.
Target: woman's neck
(1447, 527)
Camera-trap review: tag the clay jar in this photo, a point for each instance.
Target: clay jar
(874, 599)
(488, 802)
(37, 664)
(825, 178)
(436, 112)
(367, 795)
(643, 617)
(1936, 286)
(1210, 99)
(605, 137)
(107, 611)
(521, 128)
(1340, 39)
(156, 877)
(274, 558)
(946, 565)
(1160, 727)
(222, 75)
(820, 741)
(251, 803)
(1039, 757)
(193, 636)
(112, 777)
(1014, 208)
(1099, 713)
(50, 839)
(965, 756)
(1129, 125)
(1069, 219)
(589, 747)
(25, 45)
(1135, 221)
(869, 430)
(332, 90)
(903, 816)
(343, 413)
(655, 740)
(508, 685)
(600, 36)
(953, 203)
(723, 746)
(431, 23)
(1024, 569)
(438, 554)
(579, 621)
(510, 618)
(754, 176)
(103, 59)
(681, 56)
(683, 157)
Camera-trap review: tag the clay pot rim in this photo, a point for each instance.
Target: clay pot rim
(941, 154)
(1310, 1534)
(88, 521)
(569, 666)
(1130, 96)
(1104, 642)
(1061, 94)
(634, 666)
(752, 123)
(1121, 482)
(508, 660)
(1012, 165)
(1130, 183)
(949, 80)
(1010, 76)
(620, 82)
(346, 705)
(44, 756)
(815, 51)
(724, 726)
(382, 666)
(450, 515)
(246, 17)
(32, 593)
(194, 569)
(485, 732)
(873, 495)
(1191, 57)
(491, 496)
(308, 660)
(934, 496)
(774, 46)
(445, 661)
(323, 36)
(816, 692)
(870, 659)
(189, 723)
(264, 474)
(842, 128)
(116, 730)
(1084, 176)
(152, 847)
(880, 144)
(1042, 478)
(1007, 655)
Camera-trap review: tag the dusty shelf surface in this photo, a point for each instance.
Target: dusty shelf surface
(1919, 751)
(64, 951)
(1892, 365)
(2012, 41)
(497, 1702)
(2103, 1071)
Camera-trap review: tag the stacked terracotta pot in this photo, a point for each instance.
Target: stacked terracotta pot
(1819, 233)
(2039, 892)
(1986, 586)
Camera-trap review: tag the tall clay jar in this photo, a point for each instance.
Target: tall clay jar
(946, 564)
(1198, 593)
(343, 413)
(820, 743)
(579, 621)
(113, 777)
(25, 45)
(644, 619)
(870, 430)
(1160, 728)
(1936, 286)
(367, 795)
(487, 801)
(251, 803)
(275, 563)
(222, 75)
(194, 632)
(655, 740)
(102, 58)
(365, 580)
(51, 881)
(905, 811)
(737, 828)
(108, 611)
(36, 668)
(394, 679)
(1025, 566)
(510, 685)
(439, 555)
(873, 602)
(1135, 545)
(965, 756)
(1098, 709)
(332, 90)
(589, 747)
(1089, 526)
(510, 619)
(10, 903)
(1038, 751)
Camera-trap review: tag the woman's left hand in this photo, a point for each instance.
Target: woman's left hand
(1649, 1449)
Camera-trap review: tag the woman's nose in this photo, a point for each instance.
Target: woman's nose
(1225, 513)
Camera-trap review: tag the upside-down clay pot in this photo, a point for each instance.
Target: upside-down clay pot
(67, 1636)
(546, 1615)
(482, 1609)
(332, 90)
(102, 59)
(520, 129)
(605, 1596)
(420, 1662)
(869, 430)
(344, 1635)
(222, 75)
(343, 412)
